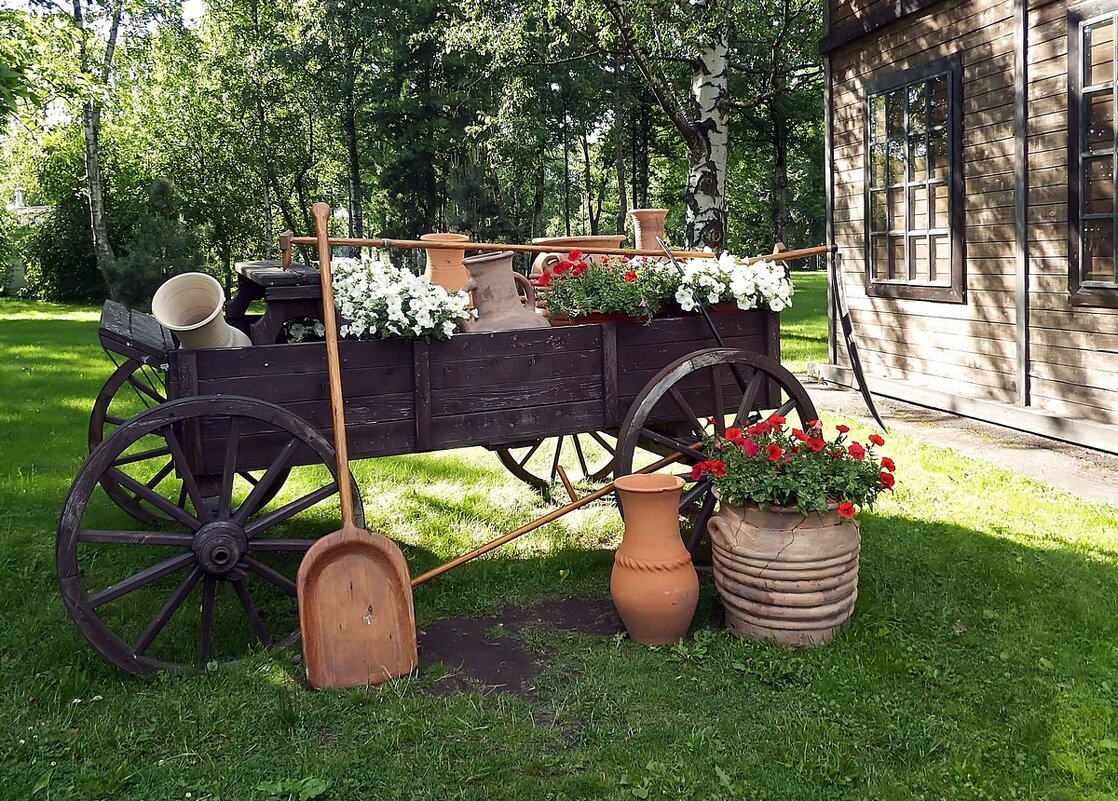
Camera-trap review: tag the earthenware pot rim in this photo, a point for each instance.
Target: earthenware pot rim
(634, 481)
(445, 237)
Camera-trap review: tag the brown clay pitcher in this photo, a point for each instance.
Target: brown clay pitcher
(648, 224)
(444, 267)
(493, 285)
(654, 584)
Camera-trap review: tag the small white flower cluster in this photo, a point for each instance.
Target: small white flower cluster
(730, 278)
(379, 301)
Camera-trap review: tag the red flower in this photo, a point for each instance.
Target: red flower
(776, 420)
(876, 440)
(630, 276)
(887, 479)
(842, 429)
(773, 451)
(857, 451)
(579, 269)
(563, 266)
(734, 435)
(793, 449)
(697, 471)
(758, 430)
(718, 467)
(813, 424)
(603, 260)
(544, 279)
(887, 463)
(816, 444)
(846, 510)
(574, 255)
(797, 434)
(750, 447)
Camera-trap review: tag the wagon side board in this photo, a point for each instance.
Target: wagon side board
(475, 389)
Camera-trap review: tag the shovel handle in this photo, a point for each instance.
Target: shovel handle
(321, 214)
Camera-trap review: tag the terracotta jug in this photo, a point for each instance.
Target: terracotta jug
(785, 575)
(654, 584)
(499, 307)
(444, 267)
(565, 244)
(648, 224)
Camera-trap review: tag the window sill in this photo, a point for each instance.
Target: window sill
(1092, 296)
(938, 294)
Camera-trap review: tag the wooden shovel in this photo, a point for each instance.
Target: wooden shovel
(355, 600)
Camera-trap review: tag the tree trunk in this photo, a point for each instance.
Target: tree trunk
(618, 145)
(538, 191)
(588, 181)
(780, 172)
(353, 163)
(102, 248)
(706, 151)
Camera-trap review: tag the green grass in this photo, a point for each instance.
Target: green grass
(803, 328)
(981, 662)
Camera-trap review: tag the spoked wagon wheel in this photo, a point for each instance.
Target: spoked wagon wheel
(584, 457)
(132, 389)
(216, 577)
(692, 398)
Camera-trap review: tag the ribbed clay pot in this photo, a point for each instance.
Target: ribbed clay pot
(565, 244)
(785, 575)
(444, 267)
(648, 224)
(654, 585)
(192, 305)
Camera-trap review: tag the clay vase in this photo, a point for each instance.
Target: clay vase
(499, 307)
(648, 224)
(192, 305)
(565, 244)
(784, 575)
(654, 585)
(444, 267)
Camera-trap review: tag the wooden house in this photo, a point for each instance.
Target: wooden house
(971, 150)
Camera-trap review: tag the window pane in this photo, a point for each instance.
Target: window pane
(939, 268)
(894, 110)
(918, 208)
(937, 99)
(880, 255)
(1098, 251)
(896, 209)
(919, 266)
(938, 153)
(917, 107)
(896, 161)
(1098, 53)
(878, 173)
(1098, 185)
(877, 118)
(897, 268)
(1099, 128)
(939, 206)
(879, 219)
(918, 157)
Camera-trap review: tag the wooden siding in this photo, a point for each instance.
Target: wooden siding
(969, 349)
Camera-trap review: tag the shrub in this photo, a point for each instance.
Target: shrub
(59, 255)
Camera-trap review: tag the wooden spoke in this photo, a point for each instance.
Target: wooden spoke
(555, 461)
(206, 622)
(168, 611)
(142, 491)
(786, 407)
(701, 522)
(249, 477)
(694, 493)
(112, 419)
(189, 483)
(530, 452)
(673, 444)
(274, 518)
(141, 579)
(716, 394)
(141, 387)
(581, 457)
(689, 415)
(253, 616)
(229, 467)
(136, 538)
(256, 498)
(598, 438)
(132, 458)
(267, 573)
(749, 397)
(290, 545)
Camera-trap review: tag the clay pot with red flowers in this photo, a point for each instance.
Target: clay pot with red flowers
(786, 540)
(605, 288)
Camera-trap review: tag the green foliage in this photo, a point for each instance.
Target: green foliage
(161, 246)
(59, 255)
(614, 285)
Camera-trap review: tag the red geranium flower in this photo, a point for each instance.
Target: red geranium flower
(857, 451)
(797, 434)
(718, 467)
(842, 429)
(846, 510)
(544, 279)
(697, 471)
(816, 444)
(876, 440)
(887, 463)
(603, 260)
(750, 447)
(574, 255)
(887, 479)
(630, 276)
(758, 430)
(773, 451)
(563, 266)
(776, 420)
(734, 435)
(579, 269)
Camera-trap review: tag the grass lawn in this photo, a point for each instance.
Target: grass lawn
(981, 662)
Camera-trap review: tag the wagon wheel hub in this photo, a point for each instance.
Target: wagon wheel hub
(219, 546)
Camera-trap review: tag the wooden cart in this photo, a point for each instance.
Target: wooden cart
(193, 559)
